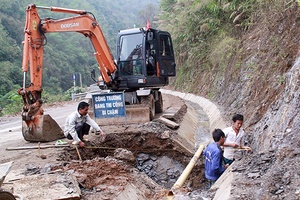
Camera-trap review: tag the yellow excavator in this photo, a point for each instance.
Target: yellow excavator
(144, 63)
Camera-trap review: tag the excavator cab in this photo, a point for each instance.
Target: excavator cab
(145, 59)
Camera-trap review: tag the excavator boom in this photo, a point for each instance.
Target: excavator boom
(36, 125)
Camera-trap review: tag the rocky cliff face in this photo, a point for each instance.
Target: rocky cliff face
(272, 170)
(263, 84)
(269, 51)
(267, 92)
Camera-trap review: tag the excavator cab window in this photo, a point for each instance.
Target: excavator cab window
(131, 56)
(146, 52)
(165, 46)
(150, 58)
(165, 57)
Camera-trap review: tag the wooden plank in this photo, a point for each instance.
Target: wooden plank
(4, 169)
(170, 113)
(36, 147)
(168, 122)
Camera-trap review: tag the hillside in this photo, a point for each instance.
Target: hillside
(251, 69)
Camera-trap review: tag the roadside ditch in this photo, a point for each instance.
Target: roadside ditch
(131, 152)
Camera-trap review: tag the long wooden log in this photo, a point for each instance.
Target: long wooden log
(36, 147)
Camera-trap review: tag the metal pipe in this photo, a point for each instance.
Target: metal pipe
(24, 82)
(185, 172)
(43, 7)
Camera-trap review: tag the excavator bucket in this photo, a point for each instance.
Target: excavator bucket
(42, 129)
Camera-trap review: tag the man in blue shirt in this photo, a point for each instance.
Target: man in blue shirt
(214, 157)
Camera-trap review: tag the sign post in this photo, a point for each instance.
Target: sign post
(109, 105)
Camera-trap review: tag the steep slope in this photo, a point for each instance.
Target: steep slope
(270, 101)
(261, 81)
(272, 170)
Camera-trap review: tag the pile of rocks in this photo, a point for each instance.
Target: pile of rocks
(162, 169)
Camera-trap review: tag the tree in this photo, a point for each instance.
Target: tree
(148, 13)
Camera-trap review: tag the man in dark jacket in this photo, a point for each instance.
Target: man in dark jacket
(214, 157)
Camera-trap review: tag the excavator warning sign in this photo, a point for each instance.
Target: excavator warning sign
(108, 105)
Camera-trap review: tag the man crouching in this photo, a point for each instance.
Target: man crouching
(78, 124)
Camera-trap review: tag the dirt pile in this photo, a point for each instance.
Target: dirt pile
(108, 178)
(157, 162)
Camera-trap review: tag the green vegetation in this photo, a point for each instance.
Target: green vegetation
(208, 38)
(206, 33)
(11, 102)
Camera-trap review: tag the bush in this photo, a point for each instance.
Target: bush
(10, 103)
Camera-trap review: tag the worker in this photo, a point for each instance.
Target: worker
(213, 153)
(234, 139)
(150, 59)
(78, 124)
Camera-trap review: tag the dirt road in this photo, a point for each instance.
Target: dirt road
(11, 130)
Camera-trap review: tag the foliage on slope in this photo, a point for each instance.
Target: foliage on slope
(233, 52)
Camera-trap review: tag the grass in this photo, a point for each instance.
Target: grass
(12, 102)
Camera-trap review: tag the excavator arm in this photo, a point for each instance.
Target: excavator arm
(34, 122)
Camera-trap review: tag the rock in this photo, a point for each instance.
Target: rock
(124, 154)
(46, 168)
(170, 172)
(253, 175)
(153, 157)
(279, 191)
(165, 135)
(143, 156)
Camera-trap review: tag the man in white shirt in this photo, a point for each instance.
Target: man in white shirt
(78, 124)
(234, 138)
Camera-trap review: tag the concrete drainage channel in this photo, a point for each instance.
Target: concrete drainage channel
(139, 162)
